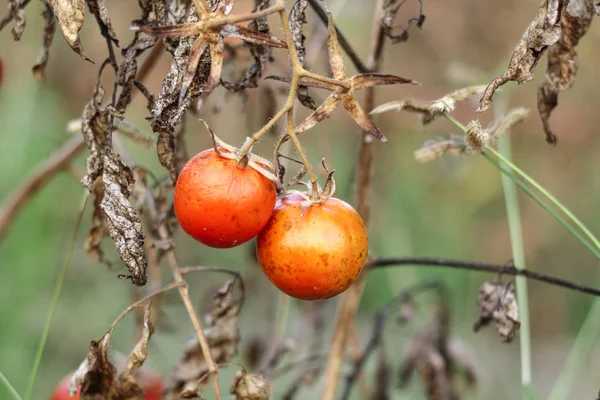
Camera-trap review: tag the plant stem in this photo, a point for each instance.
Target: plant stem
(55, 296)
(10, 387)
(516, 240)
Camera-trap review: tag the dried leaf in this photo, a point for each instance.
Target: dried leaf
(16, 12)
(435, 149)
(98, 377)
(296, 179)
(296, 20)
(223, 338)
(99, 230)
(99, 10)
(390, 9)
(252, 386)
(543, 32)
(324, 110)
(261, 54)
(498, 303)
(70, 16)
(335, 55)
(362, 81)
(433, 109)
(252, 37)
(39, 69)
(196, 52)
(562, 59)
(354, 109)
(124, 225)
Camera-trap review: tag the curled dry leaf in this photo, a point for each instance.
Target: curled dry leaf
(432, 109)
(498, 304)
(562, 59)
(100, 12)
(16, 12)
(544, 31)
(390, 9)
(70, 16)
(39, 69)
(123, 223)
(98, 377)
(296, 21)
(99, 230)
(251, 386)
(223, 338)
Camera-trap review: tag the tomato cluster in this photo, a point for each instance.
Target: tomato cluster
(310, 254)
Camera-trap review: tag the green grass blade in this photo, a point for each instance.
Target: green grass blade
(10, 387)
(516, 239)
(54, 301)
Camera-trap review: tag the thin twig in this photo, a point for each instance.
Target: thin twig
(351, 300)
(184, 293)
(482, 267)
(9, 387)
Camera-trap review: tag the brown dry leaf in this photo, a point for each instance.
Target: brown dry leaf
(252, 386)
(261, 54)
(562, 59)
(99, 230)
(98, 377)
(223, 338)
(124, 225)
(390, 9)
(16, 12)
(99, 10)
(296, 21)
(39, 69)
(432, 109)
(544, 31)
(70, 16)
(435, 149)
(498, 304)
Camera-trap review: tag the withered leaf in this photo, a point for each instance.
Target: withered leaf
(261, 54)
(562, 59)
(498, 304)
(70, 16)
(435, 149)
(223, 337)
(98, 377)
(39, 69)
(124, 225)
(543, 32)
(16, 12)
(390, 9)
(251, 386)
(99, 230)
(296, 21)
(432, 109)
(99, 10)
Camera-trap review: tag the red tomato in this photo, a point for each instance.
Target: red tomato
(152, 385)
(221, 204)
(313, 256)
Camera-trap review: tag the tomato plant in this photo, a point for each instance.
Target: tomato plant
(220, 203)
(313, 255)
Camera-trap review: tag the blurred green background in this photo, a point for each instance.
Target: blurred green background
(450, 208)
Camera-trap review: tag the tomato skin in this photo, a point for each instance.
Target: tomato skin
(313, 256)
(221, 204)
(61, 392)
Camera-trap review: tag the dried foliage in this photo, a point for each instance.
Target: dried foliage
(390, 9)
(562, 59)
(98, 377)
(297, 21)
(252, 386)
(223, 337)
(39, 69)
(432, 109)
(70, 16)
(498, 304)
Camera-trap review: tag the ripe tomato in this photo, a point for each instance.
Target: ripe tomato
(151, 384)
(221, 204)
(313, 256)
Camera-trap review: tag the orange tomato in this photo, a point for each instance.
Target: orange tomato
(313, 256)
(221, 204)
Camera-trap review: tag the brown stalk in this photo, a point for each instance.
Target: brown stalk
(185, 296)
(346, 313)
